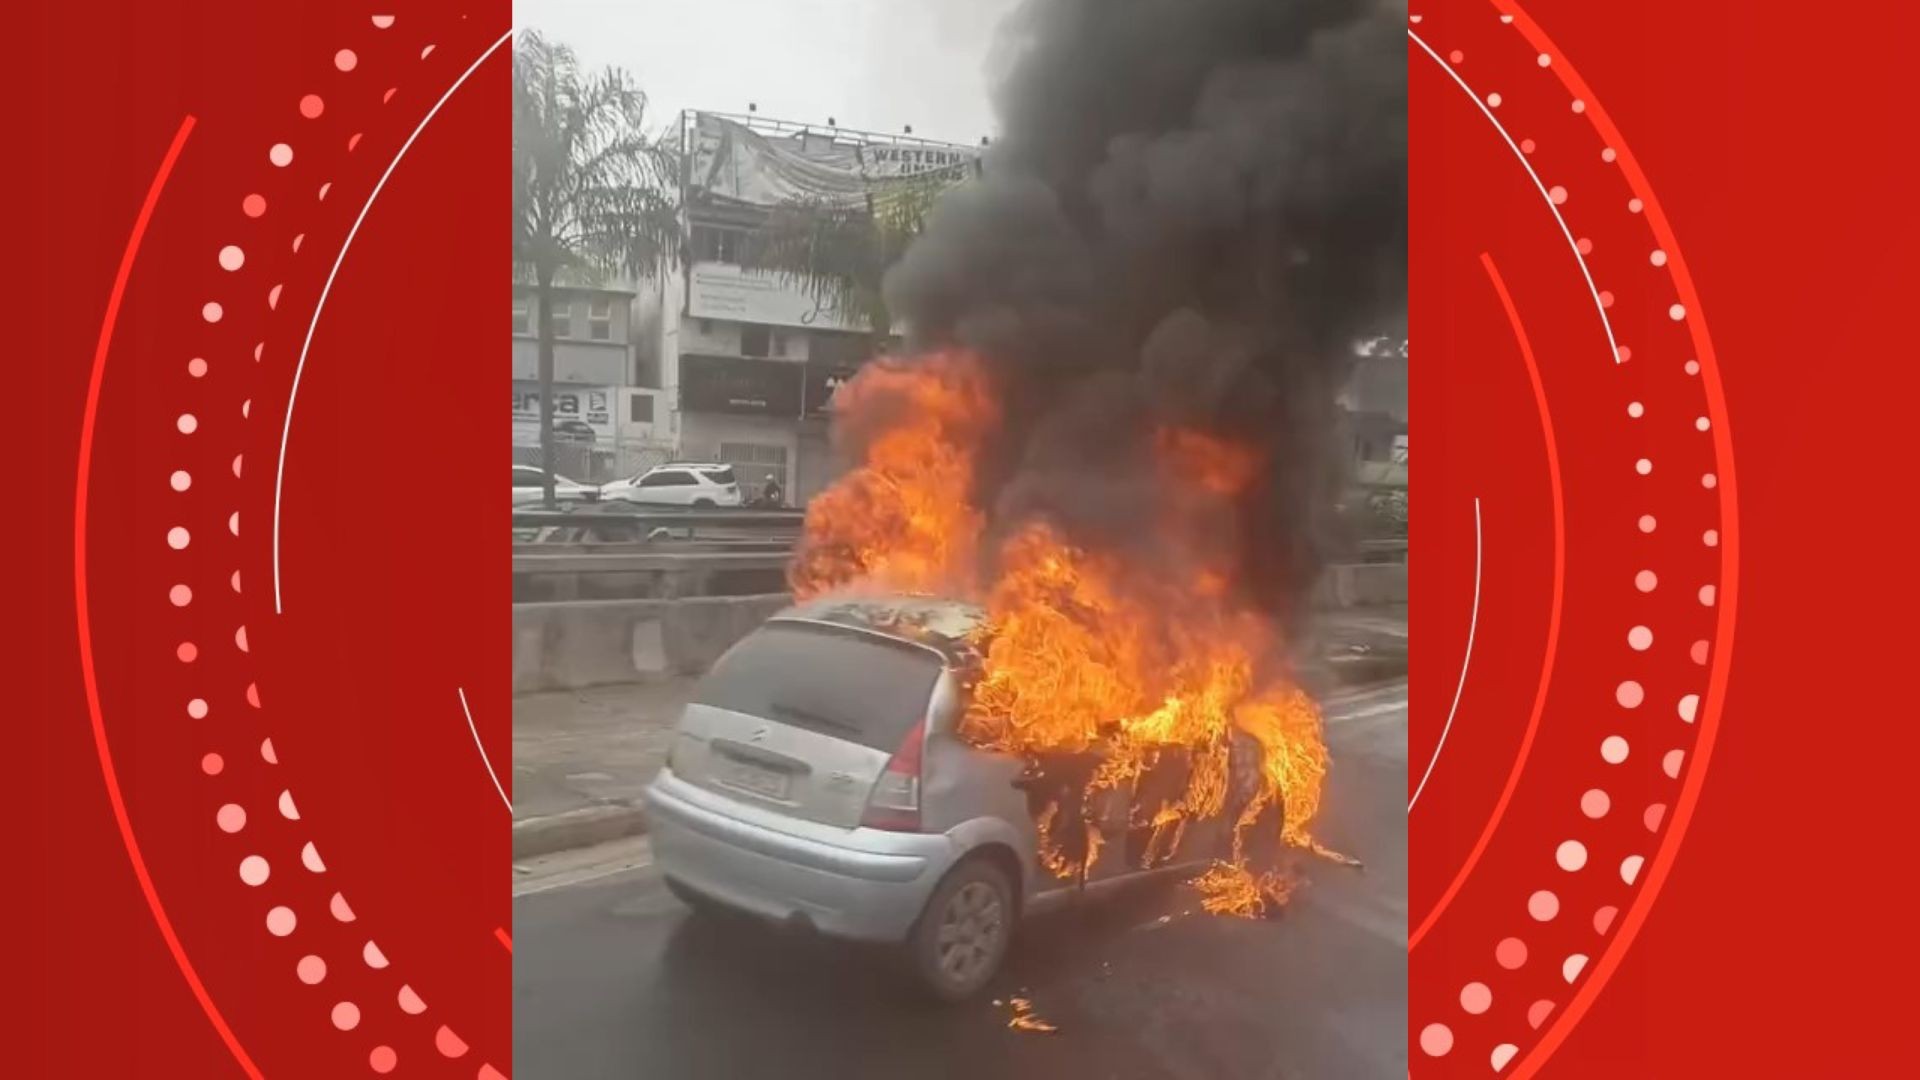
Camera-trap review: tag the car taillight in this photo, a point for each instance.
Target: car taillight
(895, 802)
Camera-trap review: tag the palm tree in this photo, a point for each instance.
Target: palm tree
(839, 252)
(593, 194)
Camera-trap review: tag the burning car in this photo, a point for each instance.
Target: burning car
(1108, 437)
(826, 775)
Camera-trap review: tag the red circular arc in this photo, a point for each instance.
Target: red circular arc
(1711, 706)
(101, 749)
(1553, 611)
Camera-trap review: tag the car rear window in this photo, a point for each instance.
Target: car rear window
(720, 476)
(843, 683)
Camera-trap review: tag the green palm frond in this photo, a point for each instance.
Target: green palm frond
(593, 193)
(839, 252)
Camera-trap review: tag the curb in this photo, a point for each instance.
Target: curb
(577, 828)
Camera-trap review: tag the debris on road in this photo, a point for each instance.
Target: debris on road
(1025, 1019)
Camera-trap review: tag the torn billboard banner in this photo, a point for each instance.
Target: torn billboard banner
(733, 163)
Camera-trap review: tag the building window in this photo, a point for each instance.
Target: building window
(640, 408)
(754, 340)
(600, 319)
(779, 344)
(832, 349)
(522, 316)
(562, 318)
(712, 244)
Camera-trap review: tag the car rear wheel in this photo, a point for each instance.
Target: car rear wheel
(963, 934)
(703, 504)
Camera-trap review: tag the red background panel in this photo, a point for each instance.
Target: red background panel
(1773, 140)
(325, 849)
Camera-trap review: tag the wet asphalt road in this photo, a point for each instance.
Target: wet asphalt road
(612, 979)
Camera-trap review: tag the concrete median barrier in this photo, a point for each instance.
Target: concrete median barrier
(570, 644)
(566, 645)
(1361, 585)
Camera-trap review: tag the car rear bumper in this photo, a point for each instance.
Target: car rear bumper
(865, 884)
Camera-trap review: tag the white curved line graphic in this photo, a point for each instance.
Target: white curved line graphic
(1612, 345)
(286, 427)
(1473, 624)
(484, 760)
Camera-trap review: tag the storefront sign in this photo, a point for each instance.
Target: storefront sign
(734, 384)
(725, 291)
(591, 405)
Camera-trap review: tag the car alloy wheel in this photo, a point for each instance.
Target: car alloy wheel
(970, 932)
(963, 934)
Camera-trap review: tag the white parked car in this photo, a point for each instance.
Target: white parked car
(678, 484)
(528, 482)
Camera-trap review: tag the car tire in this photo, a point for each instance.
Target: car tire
(961, 937)
(703, 504)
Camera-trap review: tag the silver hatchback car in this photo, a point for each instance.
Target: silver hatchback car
(817, 780)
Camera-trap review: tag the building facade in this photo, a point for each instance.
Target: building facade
(1373, 417)
(607, 413)
(750, 360)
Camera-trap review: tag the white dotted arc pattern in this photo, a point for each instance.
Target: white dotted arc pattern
(1438, 1039)
(260, 871)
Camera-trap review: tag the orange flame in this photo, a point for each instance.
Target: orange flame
(1025, 1019)
(1232, 889)
(1082, 651)
(1217, 466)
(900, 520)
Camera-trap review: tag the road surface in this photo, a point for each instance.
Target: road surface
(612, 979)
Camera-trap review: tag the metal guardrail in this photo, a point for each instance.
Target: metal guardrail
(626, 562)
(659, 552)
(663, 517)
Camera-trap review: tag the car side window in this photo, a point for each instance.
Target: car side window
(525, 478)
(666, 479)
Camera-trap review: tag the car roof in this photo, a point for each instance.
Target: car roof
(950, 627)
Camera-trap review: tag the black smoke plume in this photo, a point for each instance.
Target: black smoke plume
(1193, 210)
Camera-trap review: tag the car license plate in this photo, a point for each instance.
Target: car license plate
(760, 781)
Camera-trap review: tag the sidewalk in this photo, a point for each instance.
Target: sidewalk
(582, 758)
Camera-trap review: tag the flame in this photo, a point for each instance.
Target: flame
(1083, 651)
(1051, 856)
(1230, 888)
(1025, 1019)
(900, 520)
(1217, 466)
(1287, 725)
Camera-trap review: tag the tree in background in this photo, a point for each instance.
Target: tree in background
(593, 195)
(840, 252)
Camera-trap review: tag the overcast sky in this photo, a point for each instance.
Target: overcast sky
(871, 64)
